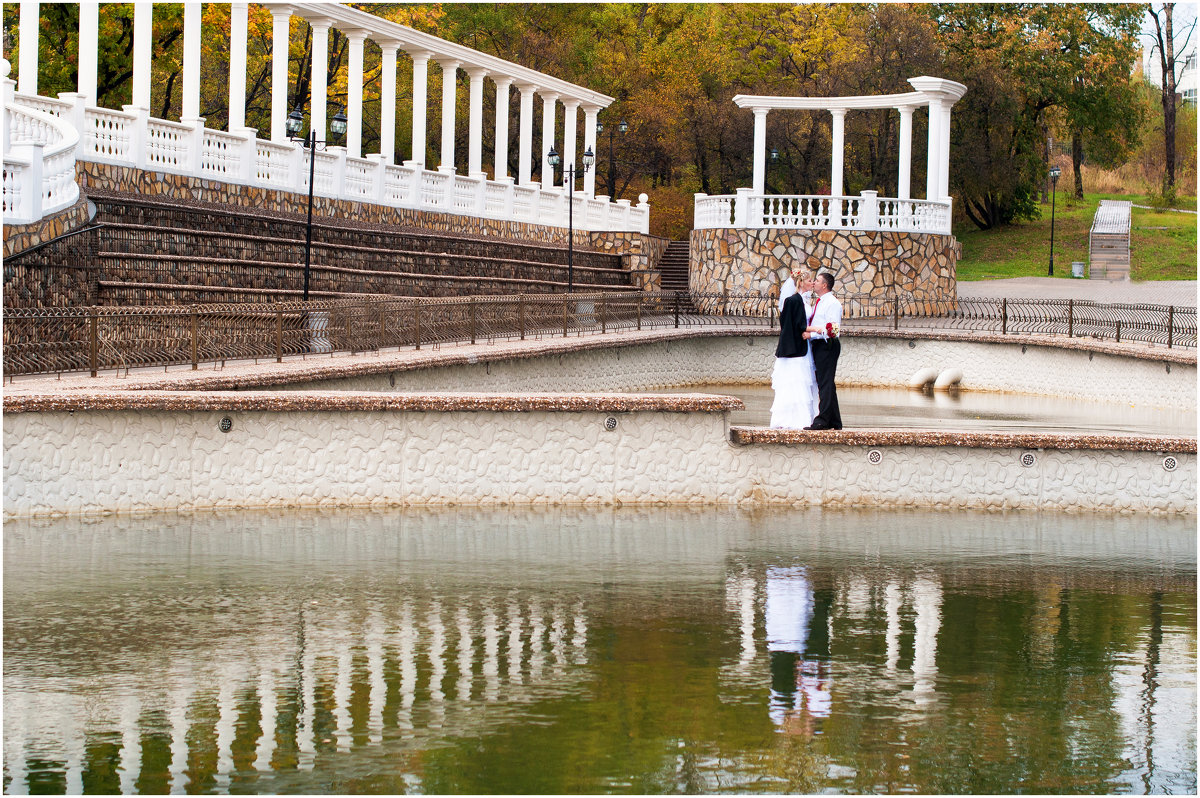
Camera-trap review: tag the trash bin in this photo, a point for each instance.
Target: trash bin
(1076, 269)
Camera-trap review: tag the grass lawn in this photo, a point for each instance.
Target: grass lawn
(1163, 244)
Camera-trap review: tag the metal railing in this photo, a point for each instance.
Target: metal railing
(95, 339)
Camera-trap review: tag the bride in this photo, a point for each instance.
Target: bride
(794, 378)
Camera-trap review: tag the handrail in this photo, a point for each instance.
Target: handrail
(48, 340)
(867, 212)
(39, 164)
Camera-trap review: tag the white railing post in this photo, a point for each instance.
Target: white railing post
(644, 205)
(6, 98)
(700, 212)
(336, 191)
(868, 210)
(481, 185)
(418, 176)
(298, 168)
(379, 163)
(510, 198)
(31, 194)
(247, 155)
(741, 208)
(448, 187)
(139, 131)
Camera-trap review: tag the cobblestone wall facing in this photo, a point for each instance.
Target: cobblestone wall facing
(874, 263)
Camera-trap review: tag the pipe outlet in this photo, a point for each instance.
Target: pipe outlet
(947, 379)
(922, 378)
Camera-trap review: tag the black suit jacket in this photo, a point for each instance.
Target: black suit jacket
(792, 322)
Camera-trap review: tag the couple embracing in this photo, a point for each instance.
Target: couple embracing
(806, 357)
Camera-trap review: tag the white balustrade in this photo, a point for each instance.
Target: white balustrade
(39, 164)
(130, 139)
(866, 212)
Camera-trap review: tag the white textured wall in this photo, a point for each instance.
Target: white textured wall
(93, 461)
(1014, 367)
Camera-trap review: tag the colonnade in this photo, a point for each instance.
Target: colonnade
(937, 94)
(358, 27)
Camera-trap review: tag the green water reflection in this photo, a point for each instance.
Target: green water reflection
(628, 650)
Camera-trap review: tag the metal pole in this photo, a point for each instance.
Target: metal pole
(278, 335)
(570, 232)
(195, 324)
(1170, 326)
(472, 319)
(1053, 196)
(521, 313)
(1070, 318)
(93, 344)
(312, 169)
(1004, 316)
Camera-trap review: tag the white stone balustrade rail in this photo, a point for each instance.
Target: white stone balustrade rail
(802, 211)
(39, 160)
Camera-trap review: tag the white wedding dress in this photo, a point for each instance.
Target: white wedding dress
(794, 381)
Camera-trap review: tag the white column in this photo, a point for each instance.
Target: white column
(570, 125)
(904, 183)
(143, 33)
(760, 151)
(525, 165)
(191, 63)
(354, 93)
(420, 104)
(589, 143)
(944, 144)
(839, 151)
(27, 62)
(548, 101)
(239, 21)
(280, 27)
(933, 159)
(320, 68)
(475, 139)
(449, 101)
(387, 101)
(89, 47)
(500, 171)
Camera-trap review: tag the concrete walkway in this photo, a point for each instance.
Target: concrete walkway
(1163, 292)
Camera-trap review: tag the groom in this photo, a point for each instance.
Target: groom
(825, 350)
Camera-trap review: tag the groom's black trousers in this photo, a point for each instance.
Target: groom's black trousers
(825, 358)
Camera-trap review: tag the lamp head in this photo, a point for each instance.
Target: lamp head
(553, 158)
(588, 158)
(774, 155)
(1054, 173)
(295, 122)
(623, 126)
(338, 124)
(599, 127)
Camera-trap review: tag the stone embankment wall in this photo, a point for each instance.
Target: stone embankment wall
(876, 264)
(639, 253)
(173, 452)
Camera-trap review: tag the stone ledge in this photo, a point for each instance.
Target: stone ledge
(350, 402)
(746, 436)
(1137, 349)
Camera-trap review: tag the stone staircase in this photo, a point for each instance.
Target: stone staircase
(674, 267)
(144, 251)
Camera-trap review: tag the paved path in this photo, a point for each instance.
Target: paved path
(1164, 292)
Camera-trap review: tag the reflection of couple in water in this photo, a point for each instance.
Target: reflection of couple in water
(798, 642)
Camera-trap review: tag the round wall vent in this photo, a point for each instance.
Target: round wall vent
(874, 457)
(1170, 463)
(610, 423)
(1029, 459)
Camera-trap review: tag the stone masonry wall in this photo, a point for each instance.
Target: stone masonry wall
(876, 264)
(20, 237)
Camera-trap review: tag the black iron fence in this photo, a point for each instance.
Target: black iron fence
(95, 339)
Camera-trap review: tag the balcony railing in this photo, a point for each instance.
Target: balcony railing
(866, 212)
(69, 131)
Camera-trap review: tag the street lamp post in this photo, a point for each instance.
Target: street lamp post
(772, 157)
(569, 173)
(1054, 173)
(295, 123)
(622, 126)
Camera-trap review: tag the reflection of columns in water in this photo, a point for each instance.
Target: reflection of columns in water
(491, 654)
(515, 645)
(893, 599)
(537, 651)
(466, 655)
(75, 750)
(226, 724)
(15, 732)
(739, 599)
(437, 664)
(408, 668)
(377, 692)
(579, 639)
(131, 745)
(177, 713)
(265, 749)
(558, 634)
(858, 597)
(343, 689)
(927, 601)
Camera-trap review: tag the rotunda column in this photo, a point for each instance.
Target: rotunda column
(89, 46)
(548, 111)
(27, 60)
(839, 152)
(933, 160)
(143, 33)
(475, 134)
(190, 111)
(387, 100)
(281, 17)
(500, 170)
(320, 69)
(239, 21)
(420, 106)
(760, 151)
(525, 154)
(904, 181)
(354, 92)
(570, 125)
(589, 143)
(449, 101)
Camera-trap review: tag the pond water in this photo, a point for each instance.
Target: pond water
(628, 650)
(969, 411)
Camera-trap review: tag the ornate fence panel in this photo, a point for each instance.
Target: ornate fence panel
(48, 340)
